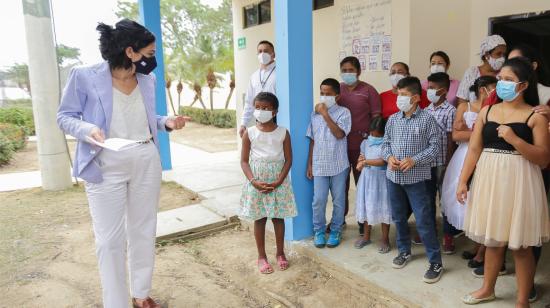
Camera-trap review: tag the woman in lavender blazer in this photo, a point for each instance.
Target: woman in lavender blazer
(116, 98)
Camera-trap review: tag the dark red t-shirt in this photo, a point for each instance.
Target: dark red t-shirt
(389, 103)
(364, 103)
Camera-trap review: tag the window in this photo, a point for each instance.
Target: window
(257, 14)
(321, 4)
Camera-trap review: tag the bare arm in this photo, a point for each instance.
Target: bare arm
(338, 132)
(379, 162)
(310, 160)
(287, 148)
(460, 135)
(538, 152)
(474, 149)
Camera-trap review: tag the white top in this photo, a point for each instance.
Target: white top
(470, 117)
(262, 80)
(267, 145)
(470, 76)
(129, 119)
(544, 94)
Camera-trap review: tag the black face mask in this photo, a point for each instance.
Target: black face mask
(145, 65)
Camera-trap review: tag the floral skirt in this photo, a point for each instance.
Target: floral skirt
(277, 204)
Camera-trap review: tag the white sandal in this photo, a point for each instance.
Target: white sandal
(469, 299)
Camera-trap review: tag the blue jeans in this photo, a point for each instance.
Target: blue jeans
(337, 186)
(418, 196)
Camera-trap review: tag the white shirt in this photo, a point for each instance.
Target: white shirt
(129, 120)
(262, 80)
(470, 76)
(267, 145)
(544, 94)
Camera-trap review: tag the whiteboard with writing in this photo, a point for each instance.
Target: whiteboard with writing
(366, 33)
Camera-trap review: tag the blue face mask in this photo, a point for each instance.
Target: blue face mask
(349, 78)
(507, 90)
(374, 140)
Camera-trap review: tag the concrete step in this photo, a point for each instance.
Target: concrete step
(187, 220)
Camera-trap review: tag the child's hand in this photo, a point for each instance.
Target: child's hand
(309, 172)
(262, 186)
(393, 163)
(321, 108)
(461, 193)
(406, 164)
(361, 158)
(274, 185)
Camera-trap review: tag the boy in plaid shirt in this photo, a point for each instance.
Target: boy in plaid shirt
(411, 144)
(444, 114)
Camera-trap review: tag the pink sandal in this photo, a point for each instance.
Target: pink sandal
(282, 262)
(264, 266)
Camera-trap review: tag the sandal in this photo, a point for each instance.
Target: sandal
(361, 242)
(264, 266)
(282, 262)
(147, 303)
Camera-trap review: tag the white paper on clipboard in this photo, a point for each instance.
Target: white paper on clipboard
(114, 144)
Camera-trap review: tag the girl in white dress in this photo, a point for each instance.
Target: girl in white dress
(466, 116)
(372, 201)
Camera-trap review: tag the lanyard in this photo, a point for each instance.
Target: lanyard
(262, 83)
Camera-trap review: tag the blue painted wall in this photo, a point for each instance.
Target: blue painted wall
(149, 12)
(293, 51)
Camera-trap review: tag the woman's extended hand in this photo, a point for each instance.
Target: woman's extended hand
(177, 122)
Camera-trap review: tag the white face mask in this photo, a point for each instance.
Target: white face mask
(329, 101)
(264, 58)
(437, 68)
(394, 79)
(432, 95)
(404, 103)
(496, 64)
(263, 116)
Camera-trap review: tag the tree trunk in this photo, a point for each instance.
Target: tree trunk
(211, 98)
(229, 97)
(171, 101)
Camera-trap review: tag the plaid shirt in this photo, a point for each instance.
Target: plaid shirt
(330, 155)
(416, 137)
(444, 116)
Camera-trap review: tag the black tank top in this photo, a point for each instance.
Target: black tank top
(491, 139)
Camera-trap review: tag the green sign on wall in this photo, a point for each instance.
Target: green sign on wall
(241, 42)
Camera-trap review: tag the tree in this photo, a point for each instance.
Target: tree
(19, 73)
(65, 53)
(197, 39)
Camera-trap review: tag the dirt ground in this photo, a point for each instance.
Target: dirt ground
(47, 257)
(26, 159)
(207, 138)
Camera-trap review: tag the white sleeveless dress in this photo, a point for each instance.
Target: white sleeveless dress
(449, 205)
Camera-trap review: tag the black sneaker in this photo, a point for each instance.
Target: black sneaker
(480, 271)
(401, 260)
(434, 272)
(533, 296)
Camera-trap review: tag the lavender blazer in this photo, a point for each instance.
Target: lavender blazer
(87, 102)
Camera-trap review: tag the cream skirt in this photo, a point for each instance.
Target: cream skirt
(507, 203)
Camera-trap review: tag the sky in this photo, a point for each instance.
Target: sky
(75, 22)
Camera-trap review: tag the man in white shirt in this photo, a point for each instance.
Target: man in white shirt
(262, 80)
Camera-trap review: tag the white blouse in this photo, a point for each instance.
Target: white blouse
(129, 120)
(267, 145)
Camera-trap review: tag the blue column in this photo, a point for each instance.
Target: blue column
(149, 12)
(293, 51)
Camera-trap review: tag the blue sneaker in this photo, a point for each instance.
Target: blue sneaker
(319, 240)
(333, 239)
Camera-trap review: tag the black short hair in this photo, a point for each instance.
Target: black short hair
(268, 97)
(333, 83)
(481, 82)
(442, 79)
(410, 83)
(267, 43)
(404, 65)
(114, 41)
(441, 54)
(534, 56)
(353, 61)
(378, 124)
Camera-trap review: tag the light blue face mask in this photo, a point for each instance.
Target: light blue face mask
(349, 78)
(507, 90)
(374, 140)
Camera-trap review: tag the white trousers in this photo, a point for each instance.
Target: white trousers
(124, 217)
